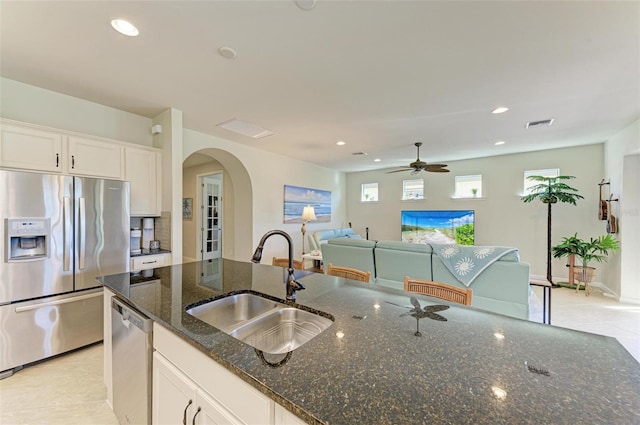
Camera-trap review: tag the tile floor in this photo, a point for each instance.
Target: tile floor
(68, 390)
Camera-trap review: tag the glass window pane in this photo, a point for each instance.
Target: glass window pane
(369, 192)
(468, 186)
(528, 184)
(413, 189)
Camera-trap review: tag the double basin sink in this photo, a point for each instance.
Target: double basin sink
(263, 323)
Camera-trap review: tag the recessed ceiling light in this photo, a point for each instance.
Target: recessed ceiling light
(499, 142)
(340, 143)
(227, 52)
(377, 160)
(124, 27)
(306, 4)
(500, 110)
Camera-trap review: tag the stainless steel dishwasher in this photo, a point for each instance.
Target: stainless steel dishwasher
(131, 351)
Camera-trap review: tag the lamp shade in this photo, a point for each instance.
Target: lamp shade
(308, 213)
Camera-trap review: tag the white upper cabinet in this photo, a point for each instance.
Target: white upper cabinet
(30, 149)
(142, 169)
(95, 158)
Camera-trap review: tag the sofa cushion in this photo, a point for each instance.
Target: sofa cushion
(361, 243)
(405, 246)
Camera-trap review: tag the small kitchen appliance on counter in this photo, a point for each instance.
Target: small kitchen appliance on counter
(148, 232)
(135, 241)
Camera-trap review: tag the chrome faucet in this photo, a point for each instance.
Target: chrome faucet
(292, 284)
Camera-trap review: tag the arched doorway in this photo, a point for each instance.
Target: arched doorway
(235, 204)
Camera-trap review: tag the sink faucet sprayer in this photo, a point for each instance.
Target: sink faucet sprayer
(292, 284)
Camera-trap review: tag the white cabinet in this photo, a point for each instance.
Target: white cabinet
(178, 400)
(145, 262)
(228, 394)
(284, 417)
(142, 169)
(95, 158)
(30, 149)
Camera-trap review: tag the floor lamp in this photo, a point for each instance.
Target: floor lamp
(308, 214)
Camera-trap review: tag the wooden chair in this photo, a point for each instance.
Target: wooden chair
(348, 273)
(438, 290)
(284, 262)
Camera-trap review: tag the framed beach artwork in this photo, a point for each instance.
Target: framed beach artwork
(296, 198)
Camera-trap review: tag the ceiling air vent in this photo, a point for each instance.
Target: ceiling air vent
(539, 123)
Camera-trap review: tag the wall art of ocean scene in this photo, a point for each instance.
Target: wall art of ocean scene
(296, 198)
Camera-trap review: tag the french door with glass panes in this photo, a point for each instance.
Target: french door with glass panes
(211, 207)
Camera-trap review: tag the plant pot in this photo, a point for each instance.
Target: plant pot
(583, 275)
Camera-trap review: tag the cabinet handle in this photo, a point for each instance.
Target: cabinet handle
(57, 160)
(149, 262)
(193, 422)
(184, 416)
(73, 161)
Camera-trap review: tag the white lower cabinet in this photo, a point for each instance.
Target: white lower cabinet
(178, 400)
(185, 380)
(145, 262)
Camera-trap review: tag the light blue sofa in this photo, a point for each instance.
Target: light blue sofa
(320, 237)
(502, 288)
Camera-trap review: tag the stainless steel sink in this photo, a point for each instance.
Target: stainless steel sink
(282, 331)
(230, 312)
(265, 324)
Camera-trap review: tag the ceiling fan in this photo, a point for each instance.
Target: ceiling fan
(416, 166)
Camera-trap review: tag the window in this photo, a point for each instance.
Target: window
(412, 189)
(369, 192)
(528, 184)
(468, 186)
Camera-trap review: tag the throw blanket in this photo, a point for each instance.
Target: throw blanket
(467, 262)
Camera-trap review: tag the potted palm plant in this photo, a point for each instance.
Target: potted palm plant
(595, 249)
(551, 190)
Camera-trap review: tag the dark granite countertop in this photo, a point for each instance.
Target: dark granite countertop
(474, 368)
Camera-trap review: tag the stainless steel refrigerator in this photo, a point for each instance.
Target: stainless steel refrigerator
(57, 234)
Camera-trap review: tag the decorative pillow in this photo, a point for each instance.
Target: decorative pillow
(354, 236)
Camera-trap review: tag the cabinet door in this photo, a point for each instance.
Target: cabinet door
(142, 169)
(209, 412)
(284, 417)
(30, 149)
(95, 158)
(174, 395)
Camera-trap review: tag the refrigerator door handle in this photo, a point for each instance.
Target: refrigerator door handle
(67, 234)
(58, 302)
(82, 238)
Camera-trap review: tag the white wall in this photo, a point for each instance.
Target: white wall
(267, 174)
(622, 168)
(22, 102)
(501, 218)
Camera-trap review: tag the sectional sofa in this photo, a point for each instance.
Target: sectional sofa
(320, 237)
(502, 287)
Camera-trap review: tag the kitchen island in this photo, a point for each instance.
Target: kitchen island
(369, 367)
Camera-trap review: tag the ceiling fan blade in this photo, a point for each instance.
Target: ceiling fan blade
(436, 165)
(437, 170)
(400, 170)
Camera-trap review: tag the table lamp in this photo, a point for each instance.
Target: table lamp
(308, 214)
